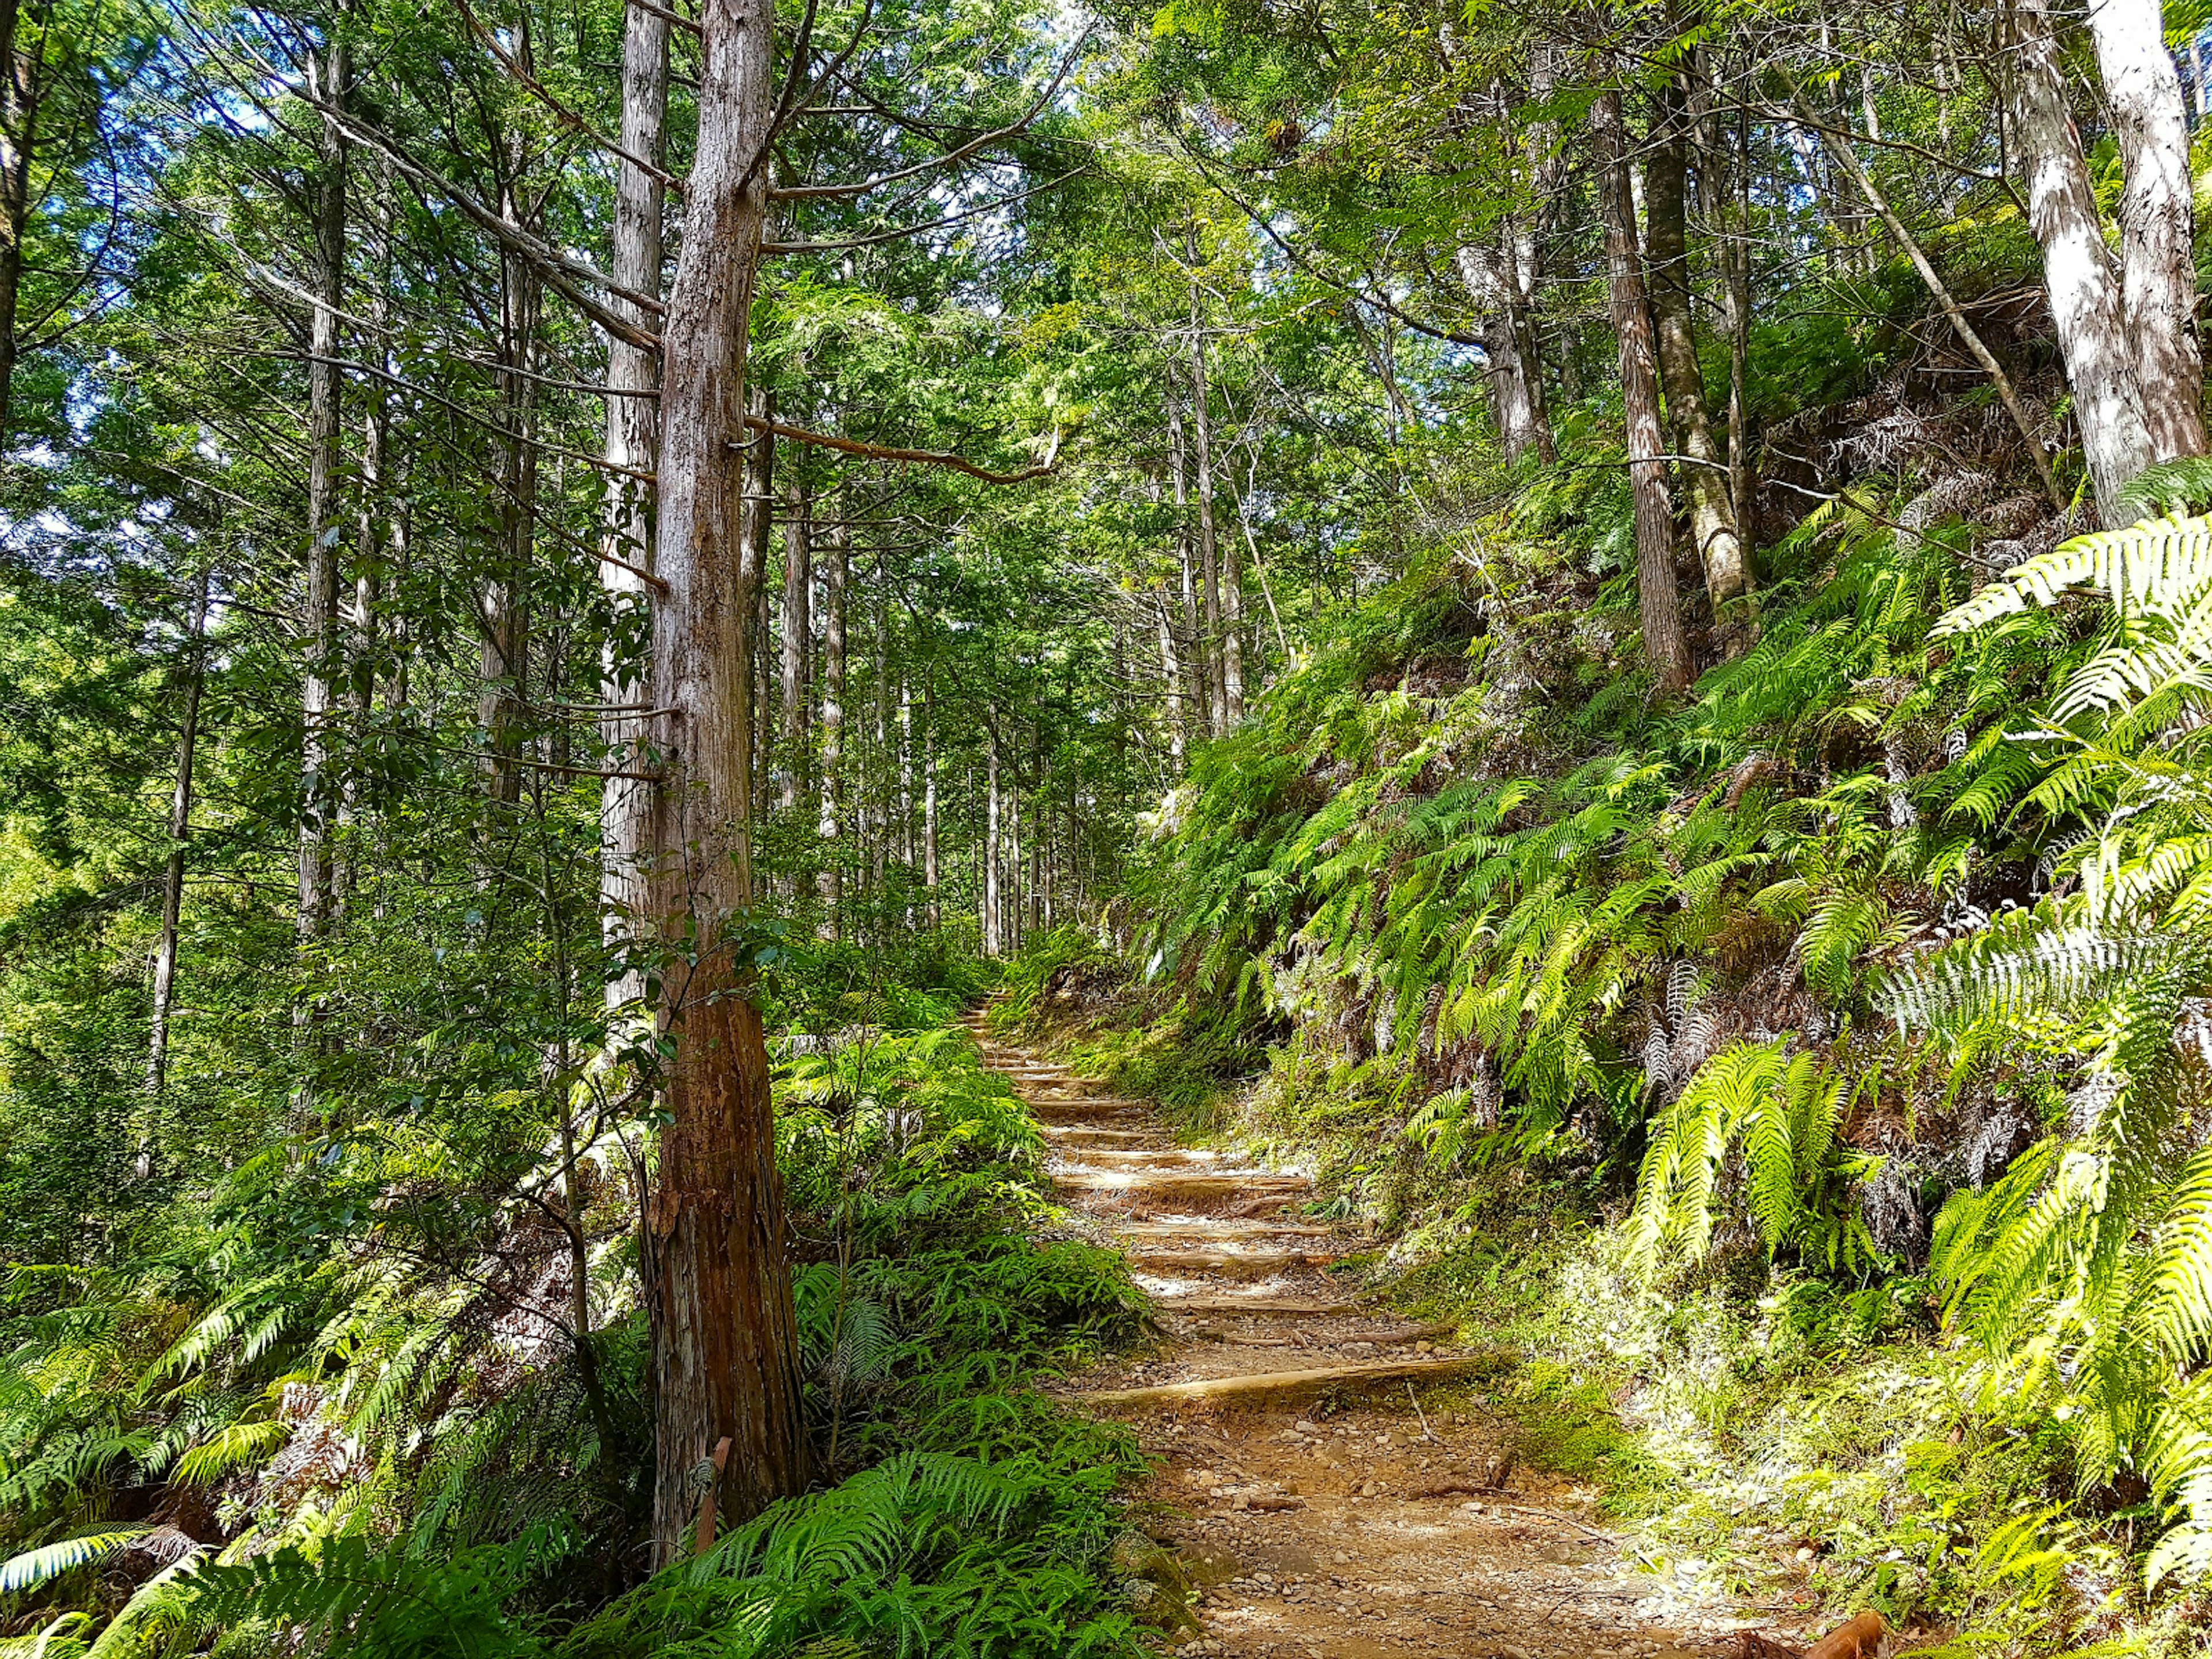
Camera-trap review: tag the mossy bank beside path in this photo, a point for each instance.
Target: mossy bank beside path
(1331, 1480)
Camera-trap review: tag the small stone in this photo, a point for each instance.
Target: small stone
(1305, 1427)
(1425, 1347)
(1367, 1489)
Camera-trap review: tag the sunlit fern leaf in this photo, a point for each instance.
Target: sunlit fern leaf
(229, 1449)
(2157, 563)
(2181, 485)
(34, 1567)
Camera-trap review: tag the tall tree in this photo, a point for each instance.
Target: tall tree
(724, 1349)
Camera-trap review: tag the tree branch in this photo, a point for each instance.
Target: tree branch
(927, 457)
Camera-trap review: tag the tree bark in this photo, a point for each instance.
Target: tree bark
(761, 643)
(993, 934)
(1712, 515)
(20, 90)
(2158, 229)
(929, 856)
(632, 443)
(1513, 389)
(172, 878)
(319, 756)
(504, 660)
(1656, 596)
(1171, 682)
(834, 567)
(725, 1343)
(798, 637)
(2086, 302)
(1201, 689)
(1224, 594)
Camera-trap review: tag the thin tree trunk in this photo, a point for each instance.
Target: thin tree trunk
(369, 518)
(2086, 302)
(1712, 515)
(1171, 680)
(753, 558)
(319, 758)
(1224, 592)
(724, 1341)
(1664, 642)
(2158, 226)
(172, 878)
(1186, 548)
(2007, 394)
(835, 566)
(632, 442)
(797, 636)
(929, 852)
(1736, 255)
(504, 662)
(994, 933)
(21, 89)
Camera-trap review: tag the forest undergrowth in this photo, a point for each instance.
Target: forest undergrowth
(407, 1455)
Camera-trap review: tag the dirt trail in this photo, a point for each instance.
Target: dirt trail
(1331, 1481)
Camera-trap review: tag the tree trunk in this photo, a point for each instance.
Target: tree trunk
(760, 636)
(725, 1343)
(1664, 642)
(836, 565)
(504, 662)
(2085, 301)
(370, 520)
(632, 442)
(1736, 291)
(2157, 220)
(20, 93)
(994, 933)
(1513, 404)
(798, 636)
(1171, 681)
(1712, 515)
(929, 864)
(1201, 702)
(1224, 596)
(319, 758)
(172, 878)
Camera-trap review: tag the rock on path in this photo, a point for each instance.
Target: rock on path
(1330, 1483)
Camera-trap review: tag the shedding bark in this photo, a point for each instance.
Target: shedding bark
(1657, 597)
(2085, 301)
(633, 431)
(2158, 229)
(725, 1342)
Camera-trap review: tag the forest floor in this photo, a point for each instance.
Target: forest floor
(1330, 1480)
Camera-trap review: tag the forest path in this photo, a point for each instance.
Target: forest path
(1329, 1482)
